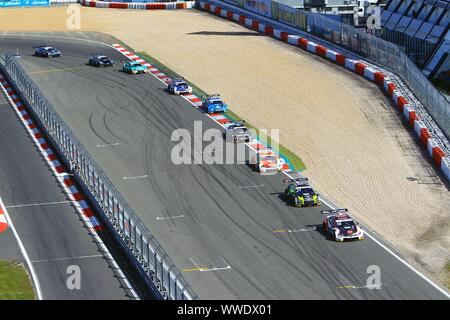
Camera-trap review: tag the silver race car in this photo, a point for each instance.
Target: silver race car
(237, 132)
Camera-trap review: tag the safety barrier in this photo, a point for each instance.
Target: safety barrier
(139, 6)
(143, 249)
(357, 41)
(390, 84)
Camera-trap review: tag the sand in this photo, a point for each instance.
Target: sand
(355, 147)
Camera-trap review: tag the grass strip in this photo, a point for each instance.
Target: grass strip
(15, 284)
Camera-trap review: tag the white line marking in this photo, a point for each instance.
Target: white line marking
(301, 230)
(376, 241)
(86, 220)
(255, 186)
(195, 264)
(371, 287)
(165, 218)
(136, 177)
(107, 145)
(392, 253)
(227, 266)
(39, 204)
(68, 258)
(34, 277)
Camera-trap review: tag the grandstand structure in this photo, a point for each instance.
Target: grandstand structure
(421, 29)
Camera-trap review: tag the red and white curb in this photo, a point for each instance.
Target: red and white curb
(3, 221)
(219, 118)
(359, 67)
(139, 6)
(64, 179)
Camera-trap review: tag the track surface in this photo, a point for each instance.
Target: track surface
(221, 220)
(53, 235)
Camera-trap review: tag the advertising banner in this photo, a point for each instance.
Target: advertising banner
(262, 7)
(292, 16)
(23, 3)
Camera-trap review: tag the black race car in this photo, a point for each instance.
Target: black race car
(98, 60)
(47, 52)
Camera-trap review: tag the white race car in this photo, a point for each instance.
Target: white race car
(179, 86)
(267, 161)
(340, 226)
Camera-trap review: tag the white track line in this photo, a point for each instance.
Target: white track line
(446, 294)
(165, 218)
(98, 240)
(37, 285)
(68, 258)
(332, 207)
(107, 145)
(255, 186)
(135, 177)
(39, 204)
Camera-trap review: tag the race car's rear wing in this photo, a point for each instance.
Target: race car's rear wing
(295, 180)
(266, 152)
(334, 211)
(211, 95)
(40, 46)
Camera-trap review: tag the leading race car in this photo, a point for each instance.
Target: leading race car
(340, 226)
(98, 60)
(214, 103)
(300, 193)
(47, 52)
(134, 67)
(179, 86)
(237, 132)
(267, 161)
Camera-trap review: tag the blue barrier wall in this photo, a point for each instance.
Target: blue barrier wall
(23, 3)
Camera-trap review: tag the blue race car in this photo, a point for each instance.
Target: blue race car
(98, 60)
(134, 67)
(179, 86)
(214, 103)
(47, 52)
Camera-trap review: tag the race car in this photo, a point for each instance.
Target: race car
(179, 86)
(214, 103)
(47, 52)
(237, 132)
(300, 193)
(267, 161)
(133, 67)
(339, 226)
(97, 60)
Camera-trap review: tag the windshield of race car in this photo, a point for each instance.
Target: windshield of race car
(216, 102)
(305, 190)
(270, 159)
(346, 225)
(104, 59)
(241, 129)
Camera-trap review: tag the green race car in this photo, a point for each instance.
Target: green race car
(134, 67)
(300, 193)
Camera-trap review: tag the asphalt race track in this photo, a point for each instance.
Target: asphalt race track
(221, 214)
(50, 229)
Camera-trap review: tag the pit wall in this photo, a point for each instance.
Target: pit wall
(385, 80)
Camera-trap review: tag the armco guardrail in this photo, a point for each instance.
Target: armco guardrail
(369, 46)
(143, 247)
